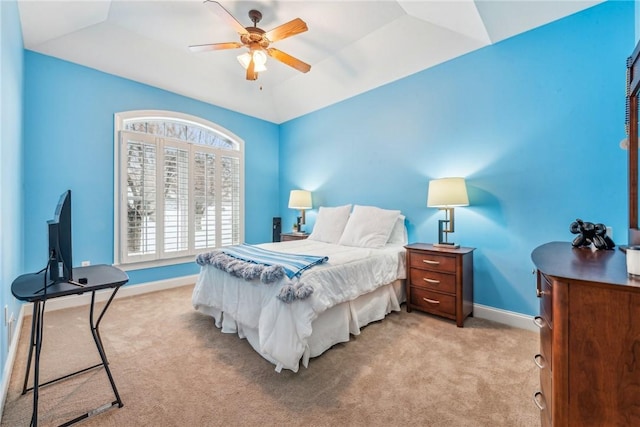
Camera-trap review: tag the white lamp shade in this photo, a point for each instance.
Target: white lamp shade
(259, 59)
(300, 199)
(447, 192)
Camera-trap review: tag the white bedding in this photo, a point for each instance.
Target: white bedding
(280, 330)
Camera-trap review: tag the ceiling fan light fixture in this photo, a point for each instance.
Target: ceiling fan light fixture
(259, 59)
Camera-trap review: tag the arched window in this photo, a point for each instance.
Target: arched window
(179, 189)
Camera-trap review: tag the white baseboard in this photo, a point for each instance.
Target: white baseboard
(75, 301)
(11, 357)
(506, 317)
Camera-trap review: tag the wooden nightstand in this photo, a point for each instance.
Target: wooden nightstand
(440, 281)
(284, 237)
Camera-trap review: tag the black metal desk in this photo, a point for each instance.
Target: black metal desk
(31, 288)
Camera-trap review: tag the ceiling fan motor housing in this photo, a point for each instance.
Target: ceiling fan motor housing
(255, 36)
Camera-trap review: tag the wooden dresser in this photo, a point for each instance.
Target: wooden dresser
(589, 323)
(440, 281)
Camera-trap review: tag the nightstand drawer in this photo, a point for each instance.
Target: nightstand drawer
(433, 302)
(433, 261)
(442, 282)
(285, 237)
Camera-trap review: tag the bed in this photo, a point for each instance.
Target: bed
(361, 281)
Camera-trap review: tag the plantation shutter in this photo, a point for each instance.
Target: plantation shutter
(204, 199)
(176, 199)
(230, 206)
(140, 206)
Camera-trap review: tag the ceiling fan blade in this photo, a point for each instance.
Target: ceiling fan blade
(289, 29)
(214, 46)
(285, 58)
(224, 14)
(251, 70)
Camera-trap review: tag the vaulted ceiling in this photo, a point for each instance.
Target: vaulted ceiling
(352, 46)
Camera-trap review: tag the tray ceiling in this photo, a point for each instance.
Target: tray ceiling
(352, 46)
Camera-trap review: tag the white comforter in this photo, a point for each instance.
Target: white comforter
(284, 328)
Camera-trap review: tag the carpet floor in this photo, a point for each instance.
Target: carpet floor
(172, 367)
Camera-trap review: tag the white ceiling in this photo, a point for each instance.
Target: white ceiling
(352, 46)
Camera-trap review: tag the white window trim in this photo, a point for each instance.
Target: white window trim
(119, 119)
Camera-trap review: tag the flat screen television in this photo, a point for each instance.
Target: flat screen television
(60, 251)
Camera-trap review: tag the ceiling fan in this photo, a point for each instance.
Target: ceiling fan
(257, 41)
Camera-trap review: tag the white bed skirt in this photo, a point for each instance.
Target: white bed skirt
(333, 326)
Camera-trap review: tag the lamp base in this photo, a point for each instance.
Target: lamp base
(445, 226)
(446, 245)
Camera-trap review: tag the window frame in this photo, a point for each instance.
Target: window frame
(160, 258)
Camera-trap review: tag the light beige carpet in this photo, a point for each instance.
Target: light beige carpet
(174, 368)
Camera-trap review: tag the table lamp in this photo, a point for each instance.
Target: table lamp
(300, 199)
(444, 194)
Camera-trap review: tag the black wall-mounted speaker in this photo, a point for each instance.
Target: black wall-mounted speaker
(277, 228)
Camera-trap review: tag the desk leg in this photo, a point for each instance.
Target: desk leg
(32, 344)
(36, 342)
(37, 329)
(96, 337)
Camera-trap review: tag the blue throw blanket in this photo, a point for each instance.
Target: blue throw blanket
(251, 263)
(293, 264)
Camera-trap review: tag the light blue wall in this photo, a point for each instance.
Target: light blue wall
(11, 141)
(533, 122)
(637, 20)
(68, 132)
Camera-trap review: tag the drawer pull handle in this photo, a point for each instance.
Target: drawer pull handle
(431, 301)
(428, 261)
(434, 281)
(538, 359)
(539, 321)
(537, 401)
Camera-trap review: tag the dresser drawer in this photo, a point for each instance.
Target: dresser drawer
(545, 376)
(434, 280)
(546, 300)
(545, 385)
(545, 417)
(433, 261)
(546, 339)
(540, 399)
(433, 302)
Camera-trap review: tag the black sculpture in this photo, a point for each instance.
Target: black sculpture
(588, 232)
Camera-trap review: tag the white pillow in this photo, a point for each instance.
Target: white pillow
(330, 224)
(399, 233)
(369, 227)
